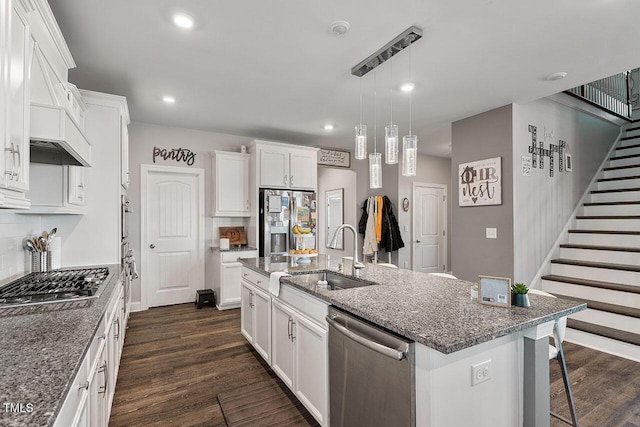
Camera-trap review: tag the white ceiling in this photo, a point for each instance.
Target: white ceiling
(273, 70)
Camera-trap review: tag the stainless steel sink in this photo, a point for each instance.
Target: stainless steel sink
(335, 282)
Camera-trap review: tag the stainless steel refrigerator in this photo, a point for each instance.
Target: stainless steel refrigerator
(280, 211)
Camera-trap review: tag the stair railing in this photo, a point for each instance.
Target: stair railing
(612, 94)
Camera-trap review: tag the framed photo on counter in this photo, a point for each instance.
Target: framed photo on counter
(494, 291)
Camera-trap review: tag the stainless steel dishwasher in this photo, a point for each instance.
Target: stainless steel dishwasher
(371, 374)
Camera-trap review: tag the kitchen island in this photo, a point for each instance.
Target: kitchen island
(42, 348)
(452, 333)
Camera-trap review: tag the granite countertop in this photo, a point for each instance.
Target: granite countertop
(234, 249)
(431, 310)
(41, 349)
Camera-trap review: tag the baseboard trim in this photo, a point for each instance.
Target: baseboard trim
(136, 306)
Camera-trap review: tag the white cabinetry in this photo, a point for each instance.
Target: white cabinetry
(89, 400)
(57, 189)
(256, 319)
(16, 47)
(285, 166)
(227, 276)
(124, 146)
(231, 184)
(297, 340)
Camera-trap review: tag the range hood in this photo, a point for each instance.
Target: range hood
(56, 137)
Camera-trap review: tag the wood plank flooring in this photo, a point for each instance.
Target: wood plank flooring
(177, 359)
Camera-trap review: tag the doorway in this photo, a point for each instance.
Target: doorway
(429, 228)
(171, 234)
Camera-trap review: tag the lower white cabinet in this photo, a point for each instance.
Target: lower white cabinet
(89, 400)
(227, 276)
(290, 332)
(256, 319)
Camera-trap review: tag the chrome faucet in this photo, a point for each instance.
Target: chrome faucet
(357, 265)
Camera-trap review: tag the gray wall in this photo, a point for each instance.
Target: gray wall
(541, 204)
(480, 137)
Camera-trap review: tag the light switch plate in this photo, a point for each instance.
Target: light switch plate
(406, 228)
(492, 233)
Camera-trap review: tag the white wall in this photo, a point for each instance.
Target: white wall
(333, 179)
(14, 229)
(142, 138)
(541, 204)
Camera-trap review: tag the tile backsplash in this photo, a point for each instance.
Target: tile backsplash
(14, 228)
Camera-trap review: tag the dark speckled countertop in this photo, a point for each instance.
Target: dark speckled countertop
(41, 349)
(431, 310)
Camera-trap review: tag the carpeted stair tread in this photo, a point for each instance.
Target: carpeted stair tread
(615, 168)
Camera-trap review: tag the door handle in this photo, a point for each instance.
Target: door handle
(152, 246)
(417, 241)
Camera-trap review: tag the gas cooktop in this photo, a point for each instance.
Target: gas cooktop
(54, 286)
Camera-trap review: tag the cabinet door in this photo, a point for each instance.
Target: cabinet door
(99, 388)
(246, 312)
(274, 167)
(282, 357)
(76, 185)
(311, 385)
(231, 185)
(230, 283)
(303, 169)
(262, 324)
(124, 153)
(16, 150)
(83, 418)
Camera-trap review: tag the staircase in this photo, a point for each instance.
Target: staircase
(599, 263)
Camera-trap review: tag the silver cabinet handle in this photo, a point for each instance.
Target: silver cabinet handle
(85, 386)
(289, 333)
(11, 150)
(19, 156)
(291, 180)
(398, 354)
(245, 274)
(417, 241)
(293, 337)
(285, 180)
(152, 246)
(105, 371)
(117, 322)
(247, 204)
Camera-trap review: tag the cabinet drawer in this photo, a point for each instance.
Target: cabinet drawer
(311, 307)
(234, 255)
(256, 279)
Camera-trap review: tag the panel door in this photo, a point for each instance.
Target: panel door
(232, 185)
(311, 367)
(246, 312)
(262, 325)
(274, 167)
(303, 169)
(173, 254)
(282, 352)
(98, 386)
(429, 250)
(16, 162)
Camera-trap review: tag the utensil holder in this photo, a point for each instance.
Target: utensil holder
(40, 261)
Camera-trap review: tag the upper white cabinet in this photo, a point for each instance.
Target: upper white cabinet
(231, 184)
(124, 146)
(57, 189)
(285, 166)
(16, 46)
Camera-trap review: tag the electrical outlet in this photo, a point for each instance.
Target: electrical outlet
(406, 264)
(480, 372)
(406, 228)
(492, 233)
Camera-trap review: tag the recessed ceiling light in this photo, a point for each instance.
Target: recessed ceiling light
(340, 27)
(557, 76)
(328, 126)
(183, 21)
(169, 99)
(407, 87)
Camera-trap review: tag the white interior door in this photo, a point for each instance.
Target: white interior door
(172, 240)
(429, 228)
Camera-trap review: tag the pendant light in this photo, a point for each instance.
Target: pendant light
(391, 130)
(409, 142)
(375, 158)
(361, 133)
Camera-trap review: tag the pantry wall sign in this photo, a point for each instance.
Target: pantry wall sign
(480, 182)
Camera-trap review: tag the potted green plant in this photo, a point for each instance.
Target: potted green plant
(519, 295)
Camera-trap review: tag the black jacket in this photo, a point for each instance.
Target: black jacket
(391, 239)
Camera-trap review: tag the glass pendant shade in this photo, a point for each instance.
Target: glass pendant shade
(375, 170)
(391, 144)
(409, 155)
(361, 142)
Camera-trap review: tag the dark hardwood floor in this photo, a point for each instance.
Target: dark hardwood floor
(177, 359)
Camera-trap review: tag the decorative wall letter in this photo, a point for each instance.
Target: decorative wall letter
(539, 150)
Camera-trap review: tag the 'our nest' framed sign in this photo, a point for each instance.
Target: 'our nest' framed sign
(480, 182)
(494, 291)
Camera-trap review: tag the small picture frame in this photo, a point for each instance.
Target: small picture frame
(568, 162)
(494, 291)
(405, 204)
